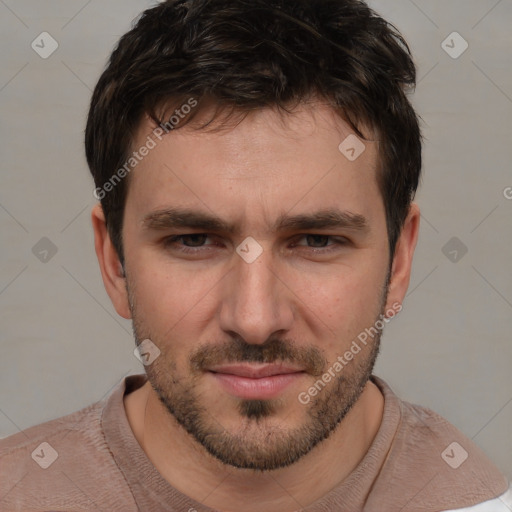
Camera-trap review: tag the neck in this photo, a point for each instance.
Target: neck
(190, 469)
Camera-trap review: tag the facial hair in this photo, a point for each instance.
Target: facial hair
(258, 443)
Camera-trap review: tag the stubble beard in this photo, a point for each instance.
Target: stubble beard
(259, 442)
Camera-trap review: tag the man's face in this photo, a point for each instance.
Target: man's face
(241, 337)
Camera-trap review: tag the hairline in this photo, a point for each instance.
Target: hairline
(215, 124)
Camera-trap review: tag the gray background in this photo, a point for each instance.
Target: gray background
(62, 344)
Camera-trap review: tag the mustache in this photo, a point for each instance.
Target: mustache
(272, 351)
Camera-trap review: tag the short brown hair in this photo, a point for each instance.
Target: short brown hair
(251, 54)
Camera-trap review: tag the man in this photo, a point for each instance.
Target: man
(256, 163)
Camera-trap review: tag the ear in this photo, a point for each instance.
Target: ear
(110, 265)
(402, 260)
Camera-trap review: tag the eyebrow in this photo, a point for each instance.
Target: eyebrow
(172, 218)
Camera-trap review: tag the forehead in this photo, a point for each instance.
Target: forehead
(308, 124)
(265, 162)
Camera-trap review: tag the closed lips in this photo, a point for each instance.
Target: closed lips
(255, 371)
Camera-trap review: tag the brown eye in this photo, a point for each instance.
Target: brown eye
(196, 240)
(318, 240)
(189, 244)
(321, 242)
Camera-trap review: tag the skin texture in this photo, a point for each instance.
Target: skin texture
(302, 302)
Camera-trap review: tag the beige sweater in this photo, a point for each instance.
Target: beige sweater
(90, 460)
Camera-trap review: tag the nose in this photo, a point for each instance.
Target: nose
(256, 303)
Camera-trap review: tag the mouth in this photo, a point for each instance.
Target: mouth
(255, 381)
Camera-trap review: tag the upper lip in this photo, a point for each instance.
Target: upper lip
(255, 371)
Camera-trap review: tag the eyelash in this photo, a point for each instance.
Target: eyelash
(171, 241)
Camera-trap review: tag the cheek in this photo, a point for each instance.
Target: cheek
(169, 311)
(169, 298)
(341, 306)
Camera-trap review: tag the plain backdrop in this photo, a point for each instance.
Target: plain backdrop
(64, 347)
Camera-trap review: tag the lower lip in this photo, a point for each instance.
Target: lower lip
(256, 389)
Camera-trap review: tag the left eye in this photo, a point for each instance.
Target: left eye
(318, 240)
(319, 244)
(194, 242)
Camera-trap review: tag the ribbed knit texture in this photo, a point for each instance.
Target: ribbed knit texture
(100, 466)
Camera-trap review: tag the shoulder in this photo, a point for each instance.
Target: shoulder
(81, 422)
(433, 466)
(61, 463)
(502, 503)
